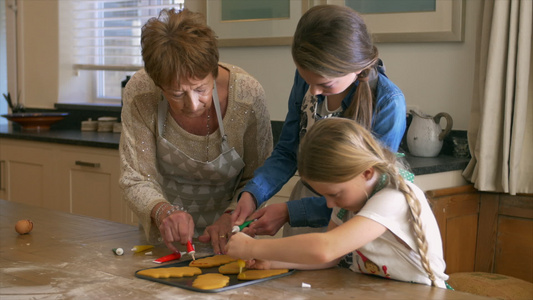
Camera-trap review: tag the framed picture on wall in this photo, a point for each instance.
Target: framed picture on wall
(251, 22)
(272, 22)
(394, 21)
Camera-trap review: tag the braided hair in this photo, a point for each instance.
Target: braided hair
(338, 149)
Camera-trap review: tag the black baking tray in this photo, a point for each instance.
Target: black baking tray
(186, 282)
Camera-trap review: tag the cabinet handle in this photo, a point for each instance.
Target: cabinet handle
(87, 164)
(2, 177)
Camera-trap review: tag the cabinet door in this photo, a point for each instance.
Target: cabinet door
(3, 179)
(27, 173)
(457, 213)
(91, 179)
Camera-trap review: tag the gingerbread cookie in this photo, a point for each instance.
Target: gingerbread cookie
(258, 274)
(170, 272)
(234, 267)
(210, 281)
(211, 261)
(231, 268)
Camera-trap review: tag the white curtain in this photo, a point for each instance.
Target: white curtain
(500, 133)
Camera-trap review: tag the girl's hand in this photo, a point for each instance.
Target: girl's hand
(258, 264)
(269, 219)
(239, 246)
(218, 233)
(245, 207)
(177, 227)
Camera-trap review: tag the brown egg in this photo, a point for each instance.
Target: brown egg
(24, 226)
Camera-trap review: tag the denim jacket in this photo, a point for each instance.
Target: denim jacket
(388, 126)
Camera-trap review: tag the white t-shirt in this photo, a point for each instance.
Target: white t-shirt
(388, 257)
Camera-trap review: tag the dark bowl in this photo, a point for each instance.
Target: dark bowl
(35, 121)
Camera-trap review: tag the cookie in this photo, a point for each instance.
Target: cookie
(258, 274)
(231, 268)
(211, 261)
(210, 281)
(170, 272)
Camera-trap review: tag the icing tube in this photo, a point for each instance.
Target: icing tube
(141, 248)
(190, 250)
(241, 264)
(118, 251)
(238, 228)
(169, 257)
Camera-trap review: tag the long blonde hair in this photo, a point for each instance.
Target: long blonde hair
(336, 150)
(333, 41)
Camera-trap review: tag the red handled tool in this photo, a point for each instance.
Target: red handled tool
(169, 257)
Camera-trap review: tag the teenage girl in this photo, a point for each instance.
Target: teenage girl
(381, 223)
(339, 73)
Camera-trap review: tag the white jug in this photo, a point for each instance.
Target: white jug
(425, 136)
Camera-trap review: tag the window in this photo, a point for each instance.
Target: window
(100, 40)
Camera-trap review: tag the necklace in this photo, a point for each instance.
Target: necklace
(207, 136)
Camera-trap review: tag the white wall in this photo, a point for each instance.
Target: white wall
(435, 77)
(38, 52)
(3, 60)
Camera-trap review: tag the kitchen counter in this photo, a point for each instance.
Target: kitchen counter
(63, 136)
(70, 256)
(419, 165)
(431, 165)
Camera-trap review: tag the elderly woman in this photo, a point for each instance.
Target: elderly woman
(194, 131)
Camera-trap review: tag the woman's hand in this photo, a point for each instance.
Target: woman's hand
(239, 246)
(269, 219)
(176, 227)
(218, 233)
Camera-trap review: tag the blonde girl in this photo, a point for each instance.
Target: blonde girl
(381, 223)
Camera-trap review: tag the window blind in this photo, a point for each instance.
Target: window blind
(107, 33)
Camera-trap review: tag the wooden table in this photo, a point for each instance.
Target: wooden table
(69, 256)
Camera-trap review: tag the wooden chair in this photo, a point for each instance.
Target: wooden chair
(492, 285)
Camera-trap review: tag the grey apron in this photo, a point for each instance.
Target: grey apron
(308, 117)
(205, 189)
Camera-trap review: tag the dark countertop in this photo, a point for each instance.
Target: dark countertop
(64, 136)
(419, 165)
(431, 165)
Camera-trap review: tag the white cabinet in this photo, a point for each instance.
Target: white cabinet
(90, 178)
(25, 174)
(75, 179)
